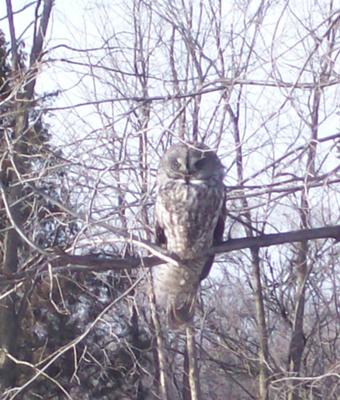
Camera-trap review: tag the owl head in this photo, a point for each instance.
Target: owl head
(190, 162)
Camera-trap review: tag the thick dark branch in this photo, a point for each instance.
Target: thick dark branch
(14, 45)
(37, 47)
(278, 238)
(97, 263)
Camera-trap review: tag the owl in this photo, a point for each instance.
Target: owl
(189, 219)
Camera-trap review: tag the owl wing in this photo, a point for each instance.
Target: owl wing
(160, 234)
(218, 238)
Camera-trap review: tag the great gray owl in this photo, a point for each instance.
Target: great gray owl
(189, 219)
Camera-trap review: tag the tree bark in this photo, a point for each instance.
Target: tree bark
(191, 371)
(9, 323)
(8, 317)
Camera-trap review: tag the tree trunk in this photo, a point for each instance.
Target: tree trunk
(191, 385)
(9, 324)
(8, 317)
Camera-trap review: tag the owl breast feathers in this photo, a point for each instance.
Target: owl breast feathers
(189, 219)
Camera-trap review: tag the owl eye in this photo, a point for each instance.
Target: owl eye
(200, 164)
(175, 165)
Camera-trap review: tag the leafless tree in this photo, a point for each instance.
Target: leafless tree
(259, 82)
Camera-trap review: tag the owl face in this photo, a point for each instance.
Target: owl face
(191, 163)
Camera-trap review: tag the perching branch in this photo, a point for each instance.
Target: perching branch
(278, 238)
(91, 262)
(98, 263)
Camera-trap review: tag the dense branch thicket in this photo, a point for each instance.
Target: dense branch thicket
(88, 106)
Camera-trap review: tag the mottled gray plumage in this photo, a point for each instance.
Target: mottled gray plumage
(189, 219)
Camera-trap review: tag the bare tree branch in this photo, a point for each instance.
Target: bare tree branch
(97, 263)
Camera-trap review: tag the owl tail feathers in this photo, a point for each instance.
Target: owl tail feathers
(181, 313)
